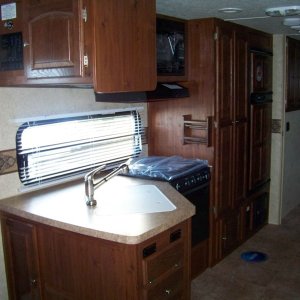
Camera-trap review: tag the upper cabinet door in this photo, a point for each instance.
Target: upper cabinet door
(52, 39)
(124, 50)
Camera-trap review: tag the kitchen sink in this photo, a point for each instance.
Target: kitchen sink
(137, 199)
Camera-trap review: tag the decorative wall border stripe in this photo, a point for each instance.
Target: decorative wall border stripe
(276, 126)
(8, 161)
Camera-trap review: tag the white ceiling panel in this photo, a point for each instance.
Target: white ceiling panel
(252, 14)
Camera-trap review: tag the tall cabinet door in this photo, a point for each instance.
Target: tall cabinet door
(224, 118)
(260, 144)
(52, 39)
(240, 118)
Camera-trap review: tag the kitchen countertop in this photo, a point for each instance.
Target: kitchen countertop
(64, 207)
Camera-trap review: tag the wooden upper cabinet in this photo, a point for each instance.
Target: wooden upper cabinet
(110, 45)
(11, 45)
(52, 39)
(124, 47)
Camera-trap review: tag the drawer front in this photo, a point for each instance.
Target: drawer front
(167, 261)
(170, 288)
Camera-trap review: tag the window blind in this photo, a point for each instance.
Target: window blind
(52, 149)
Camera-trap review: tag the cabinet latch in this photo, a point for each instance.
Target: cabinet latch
(215, 36)
(84, 14)
(85, 61)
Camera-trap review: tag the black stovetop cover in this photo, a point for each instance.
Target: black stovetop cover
(167, 168)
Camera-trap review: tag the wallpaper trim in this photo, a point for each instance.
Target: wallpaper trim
(8, 161)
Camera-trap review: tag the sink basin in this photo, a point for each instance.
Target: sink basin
(132, 200)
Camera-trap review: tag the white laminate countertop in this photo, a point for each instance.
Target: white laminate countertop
(64, 207)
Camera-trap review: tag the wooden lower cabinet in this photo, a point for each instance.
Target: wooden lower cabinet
(254, 212)
(44, 262)
(21, 259)
(226, 236)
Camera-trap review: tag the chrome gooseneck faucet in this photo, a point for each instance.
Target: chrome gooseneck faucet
(91, 185)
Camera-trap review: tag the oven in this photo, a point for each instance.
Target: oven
(195, 188)
(190, 177)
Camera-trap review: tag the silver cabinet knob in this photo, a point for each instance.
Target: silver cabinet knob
(168, 291)
(33, 282)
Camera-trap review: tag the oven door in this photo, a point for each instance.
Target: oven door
(199, 196)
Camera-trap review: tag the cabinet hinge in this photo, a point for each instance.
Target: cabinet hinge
(85, 61)
(84, 14)
(216, 124)
(216, 36)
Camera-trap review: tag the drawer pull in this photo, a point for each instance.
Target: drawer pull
(168, 291)
(176, 265)
(147, 251)
(33, 282)
(176, 235)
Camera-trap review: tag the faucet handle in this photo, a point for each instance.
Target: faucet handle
(89, 185)
(93, 172)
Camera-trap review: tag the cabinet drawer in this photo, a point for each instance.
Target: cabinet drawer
(167, 261)
(170, 288)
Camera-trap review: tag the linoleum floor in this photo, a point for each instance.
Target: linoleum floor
(277, 278)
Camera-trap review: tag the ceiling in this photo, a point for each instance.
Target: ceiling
(252, 14)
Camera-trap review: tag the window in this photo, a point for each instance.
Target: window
(53, 149)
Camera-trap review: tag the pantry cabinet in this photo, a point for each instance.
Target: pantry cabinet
(219, 75)
(43, 262)
(108, 45)
(231, 118)
(231, 132)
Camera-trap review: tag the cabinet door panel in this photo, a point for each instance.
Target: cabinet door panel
(21, 259)
(240, 165)
(260, 144)
(240, 117)
(229, 234)
(224, 73)
(171, 288)
(241, 77)
(53, 36)
(224, 169)
(125, 45)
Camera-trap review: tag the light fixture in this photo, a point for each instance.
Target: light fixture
(291, 21)
(283, 11)
(295, 27)
(230, 10)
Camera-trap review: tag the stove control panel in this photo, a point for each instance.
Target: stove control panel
(192, 181)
